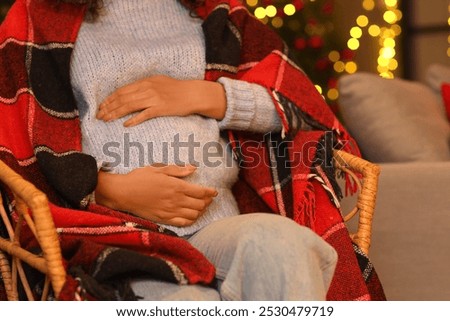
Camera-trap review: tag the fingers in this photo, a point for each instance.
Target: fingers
(121, 93)
(175, 170)
(126, 93)
(123, 106)
(187, 188)
(192, 190)
(182, 217)
(144, 115)
(192, 196)
(154, 96)
(198, 191)
(196, 204)
(179, 222)
(128, 99)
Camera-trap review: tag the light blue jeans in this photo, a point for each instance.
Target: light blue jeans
(257, 257)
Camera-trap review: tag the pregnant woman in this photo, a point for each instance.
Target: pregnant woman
(174, 103)
(137, 75)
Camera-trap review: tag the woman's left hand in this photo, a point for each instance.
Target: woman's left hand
(158, 96)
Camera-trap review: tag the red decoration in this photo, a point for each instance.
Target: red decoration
(315, 42)
(328, 8)
(347, 54)
(312, 22)
(298, 4)
(332, 83)
(300, 43)
(280, 13)
(322, 64)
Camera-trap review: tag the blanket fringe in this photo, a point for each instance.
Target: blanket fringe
(305, 212)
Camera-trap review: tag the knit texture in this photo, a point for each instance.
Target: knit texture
(161, 38)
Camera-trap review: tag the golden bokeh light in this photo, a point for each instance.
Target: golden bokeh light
(368, 5)
(353, 43)
(289, 9)
(356, 32)
(260, 13)
(362, 21)
(351, 67)
(339, 66)
(374, 30)
(334, 56)
(277, 22)
(390, 17)
(252, 3)
(333, 94)
(271, 11)
(390, 3)
(319, 89)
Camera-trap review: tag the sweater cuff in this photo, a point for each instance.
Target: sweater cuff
(249, 107)
(240, 104)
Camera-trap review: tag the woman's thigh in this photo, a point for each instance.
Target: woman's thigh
(266, 256)
(257, 256)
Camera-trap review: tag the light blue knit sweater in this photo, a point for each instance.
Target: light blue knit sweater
(134, 39)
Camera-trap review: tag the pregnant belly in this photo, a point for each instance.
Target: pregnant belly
(191, 140)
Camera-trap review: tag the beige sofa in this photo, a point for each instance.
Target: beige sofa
(393, 123)
(411, 230)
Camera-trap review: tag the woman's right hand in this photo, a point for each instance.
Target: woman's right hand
(156, 193)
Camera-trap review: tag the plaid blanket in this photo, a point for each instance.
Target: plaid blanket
(290, 173)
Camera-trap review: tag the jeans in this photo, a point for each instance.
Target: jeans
(257, 257)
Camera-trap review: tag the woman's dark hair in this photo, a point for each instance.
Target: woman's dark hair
(94, 6)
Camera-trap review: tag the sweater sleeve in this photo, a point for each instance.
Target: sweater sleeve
(249, 107)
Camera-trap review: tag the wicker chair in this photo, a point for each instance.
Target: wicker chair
(28, 199)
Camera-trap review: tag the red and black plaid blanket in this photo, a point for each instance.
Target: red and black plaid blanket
(290, 173)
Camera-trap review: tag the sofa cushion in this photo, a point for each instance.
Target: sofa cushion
(394, 120)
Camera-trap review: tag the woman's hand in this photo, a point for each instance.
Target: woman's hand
(156, 193)
(164, 96)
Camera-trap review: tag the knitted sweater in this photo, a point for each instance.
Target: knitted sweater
(162, 38)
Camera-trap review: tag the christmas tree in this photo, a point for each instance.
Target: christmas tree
(308, 29)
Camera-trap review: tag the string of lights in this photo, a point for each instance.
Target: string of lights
(387, 64)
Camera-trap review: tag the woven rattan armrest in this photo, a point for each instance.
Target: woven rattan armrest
(31, 206)
(368, 187)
